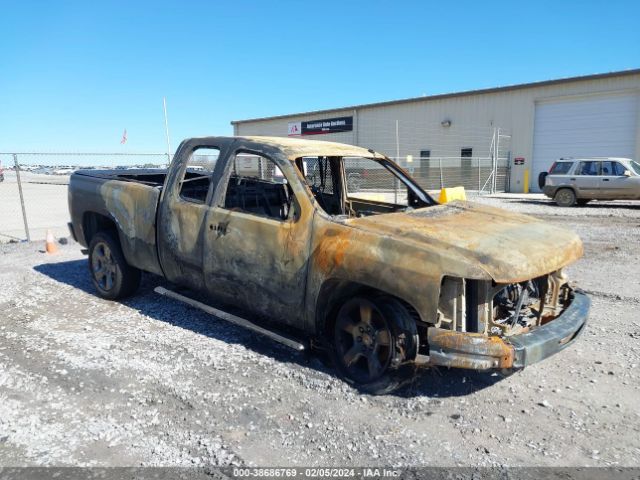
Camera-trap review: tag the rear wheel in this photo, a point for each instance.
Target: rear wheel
(372, 337)
(112, 276)
(565, 197)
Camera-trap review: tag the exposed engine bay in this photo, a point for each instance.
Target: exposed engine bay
(501, 310)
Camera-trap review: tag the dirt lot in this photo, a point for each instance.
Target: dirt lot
(85, 381)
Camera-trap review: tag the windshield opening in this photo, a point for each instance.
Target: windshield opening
(360, 186)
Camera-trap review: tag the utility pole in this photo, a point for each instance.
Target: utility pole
(166, 128)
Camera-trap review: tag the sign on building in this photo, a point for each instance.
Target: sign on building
(319, 127)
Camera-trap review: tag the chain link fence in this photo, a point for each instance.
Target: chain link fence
(476, 158)
(449, 155)
(475, 174)
(33, 188)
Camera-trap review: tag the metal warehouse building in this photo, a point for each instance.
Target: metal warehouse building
(514, 131)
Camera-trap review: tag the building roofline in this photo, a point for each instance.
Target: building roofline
(543, 83)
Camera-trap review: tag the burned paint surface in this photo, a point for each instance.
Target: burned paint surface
(508, 247)
(130, 207)
(294, 269)
(468, 350)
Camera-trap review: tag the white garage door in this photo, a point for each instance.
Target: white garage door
(601, 126)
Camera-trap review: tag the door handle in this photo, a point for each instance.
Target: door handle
(220, 229)
(572, 179)
(605, 179)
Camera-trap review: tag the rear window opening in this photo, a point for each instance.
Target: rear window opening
(561, 168)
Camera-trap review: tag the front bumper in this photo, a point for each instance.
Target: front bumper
(480, 352)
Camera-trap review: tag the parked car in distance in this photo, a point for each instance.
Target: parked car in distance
(64, 170)
(576, 181)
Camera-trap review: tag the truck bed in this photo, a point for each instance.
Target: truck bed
(127, 199)
(151, 177)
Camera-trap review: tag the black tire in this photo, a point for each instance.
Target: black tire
(372, 338)
(111, 275)
(582, 202)
(542, 178)
(565, 197)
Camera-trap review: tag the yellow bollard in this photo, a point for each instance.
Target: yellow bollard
(526, 181)
(452, 193)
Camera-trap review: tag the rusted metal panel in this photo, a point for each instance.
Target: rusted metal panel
(468, 350)
(131, 207)
(294, 148)
(508, 247)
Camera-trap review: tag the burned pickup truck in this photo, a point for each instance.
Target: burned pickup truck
(375, 272)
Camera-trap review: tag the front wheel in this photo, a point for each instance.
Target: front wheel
(372, 337)
(112, 276)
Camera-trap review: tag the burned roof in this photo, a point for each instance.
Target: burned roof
(297, 147)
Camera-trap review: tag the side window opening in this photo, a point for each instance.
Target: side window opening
(589, 168)
(256, 185)
(195, 183)
(612, 169)
(321, 175)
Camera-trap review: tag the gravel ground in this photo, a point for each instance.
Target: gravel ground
(88, 382)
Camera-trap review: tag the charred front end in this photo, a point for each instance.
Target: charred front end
(484, 325)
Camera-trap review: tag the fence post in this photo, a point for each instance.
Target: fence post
(495, 164)
(395, 181)
(441, 180)
(24, 212)
(479, 175)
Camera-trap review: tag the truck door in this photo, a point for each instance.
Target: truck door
(183, 210)
(257, 238)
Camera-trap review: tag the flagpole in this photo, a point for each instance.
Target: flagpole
(166, 127)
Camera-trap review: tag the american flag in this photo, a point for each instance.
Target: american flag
(124, 137)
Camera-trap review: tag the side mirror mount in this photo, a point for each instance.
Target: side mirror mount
(627, 173)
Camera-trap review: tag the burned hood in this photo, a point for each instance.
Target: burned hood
(509, 247)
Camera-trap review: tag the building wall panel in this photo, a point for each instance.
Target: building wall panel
(473, 118)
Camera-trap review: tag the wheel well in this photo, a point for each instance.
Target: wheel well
(334, 293)
(93, 223)
(566, 187)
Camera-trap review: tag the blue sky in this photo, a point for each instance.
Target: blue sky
(74, 75)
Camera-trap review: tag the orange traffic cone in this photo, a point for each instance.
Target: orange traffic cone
(51, 246)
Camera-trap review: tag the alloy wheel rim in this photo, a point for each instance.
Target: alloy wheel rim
(103, 266)
(565, 197)
(363, 340)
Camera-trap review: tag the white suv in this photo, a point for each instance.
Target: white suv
(576, 181)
